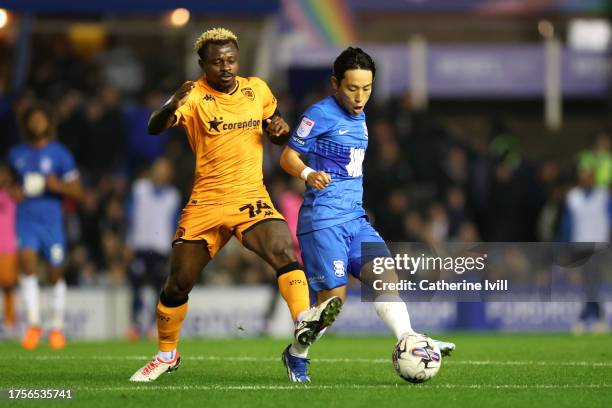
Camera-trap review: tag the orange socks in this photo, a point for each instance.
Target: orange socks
(169, 321)
(294, 289)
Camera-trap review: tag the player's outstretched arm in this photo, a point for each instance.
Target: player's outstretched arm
(291, 162)
(163, 118)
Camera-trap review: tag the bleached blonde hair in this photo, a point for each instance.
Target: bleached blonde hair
(214, 35)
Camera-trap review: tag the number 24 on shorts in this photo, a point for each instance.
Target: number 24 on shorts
(256, 209)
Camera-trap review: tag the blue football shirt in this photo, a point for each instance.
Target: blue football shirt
(53, 158)
(334, 141)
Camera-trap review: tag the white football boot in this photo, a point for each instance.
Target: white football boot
(316, 319)
(156, 367)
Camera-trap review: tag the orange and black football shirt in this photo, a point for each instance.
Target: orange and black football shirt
(225, 134)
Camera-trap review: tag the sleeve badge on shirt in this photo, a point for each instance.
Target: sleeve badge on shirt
(305, 127)
(46, 165)
(248, 92)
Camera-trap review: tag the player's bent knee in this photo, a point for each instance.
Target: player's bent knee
(176, 291)
(183, 285)
(281, 252)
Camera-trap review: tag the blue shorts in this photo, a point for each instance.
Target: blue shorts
(47, 239)
(330, 254)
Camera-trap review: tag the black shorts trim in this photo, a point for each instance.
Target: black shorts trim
(189, 241)
(261, 222)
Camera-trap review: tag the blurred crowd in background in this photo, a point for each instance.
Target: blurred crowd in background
(424, 180)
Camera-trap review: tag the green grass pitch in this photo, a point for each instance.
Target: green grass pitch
(500, 370)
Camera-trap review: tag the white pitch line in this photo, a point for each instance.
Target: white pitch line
(299, 387)
(451, 360)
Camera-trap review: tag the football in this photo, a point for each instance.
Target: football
(416, 358)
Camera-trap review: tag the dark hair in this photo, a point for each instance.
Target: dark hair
(202, 52)
(32, 109)
(353, 58)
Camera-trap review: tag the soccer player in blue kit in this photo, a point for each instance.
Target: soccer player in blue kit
(44, 172)
(333, 137)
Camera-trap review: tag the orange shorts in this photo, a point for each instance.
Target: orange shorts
(216, 223)
(8, 270)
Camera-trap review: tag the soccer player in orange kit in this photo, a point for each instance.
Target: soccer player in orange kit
(224, 116)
